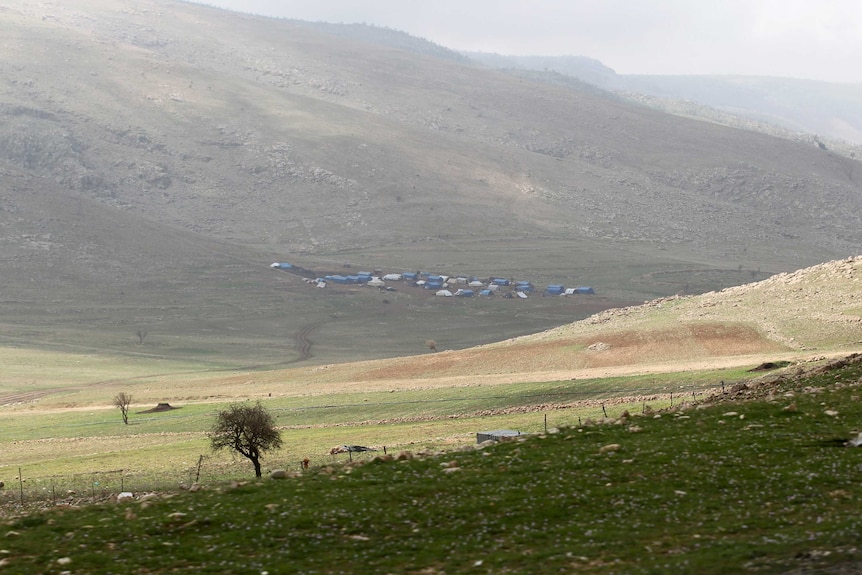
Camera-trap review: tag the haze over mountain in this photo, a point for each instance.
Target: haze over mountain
(156, 156)
(789, 64)
(816, 41)
(810, 107)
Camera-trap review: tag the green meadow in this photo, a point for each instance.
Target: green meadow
(71, 437)
(760, 485)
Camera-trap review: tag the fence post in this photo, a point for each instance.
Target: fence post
(21, 485)
(198, 474)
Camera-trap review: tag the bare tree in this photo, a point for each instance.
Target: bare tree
(431, 344)
(247, 429)
(122, 400)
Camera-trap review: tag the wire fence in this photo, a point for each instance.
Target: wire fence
(100, 485)
(92, 487)
(24, 491)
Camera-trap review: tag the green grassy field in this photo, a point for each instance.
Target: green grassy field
(71, 433)
(762, 485)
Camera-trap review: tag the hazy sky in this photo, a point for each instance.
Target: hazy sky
(815, 39)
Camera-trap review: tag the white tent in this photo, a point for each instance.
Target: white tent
(476, 283)
(392, 277)
(521, 294)
(444, 293)
(376, 282)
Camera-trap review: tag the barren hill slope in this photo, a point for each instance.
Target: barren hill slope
(267, 132)
(813, 311)
(271, 141)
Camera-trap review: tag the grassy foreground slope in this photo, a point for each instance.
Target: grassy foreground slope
(57, 423)
(760, 482)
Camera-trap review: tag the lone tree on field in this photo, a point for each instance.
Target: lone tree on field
(431, 344)
(247, 429)
(123, 400)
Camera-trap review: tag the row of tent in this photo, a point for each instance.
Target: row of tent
(441, 283)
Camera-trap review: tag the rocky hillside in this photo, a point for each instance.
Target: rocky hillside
(165, 145)
(275, 134)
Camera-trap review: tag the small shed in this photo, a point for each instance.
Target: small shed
(498, 435)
